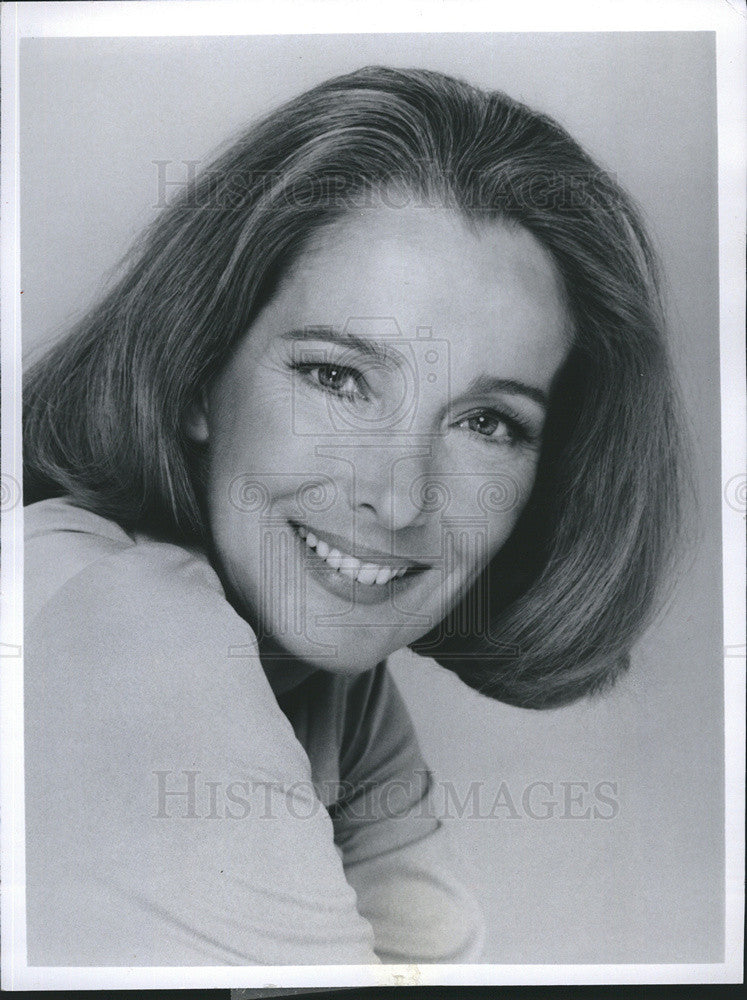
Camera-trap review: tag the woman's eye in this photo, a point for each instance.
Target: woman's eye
(492, 426)
(337, 379)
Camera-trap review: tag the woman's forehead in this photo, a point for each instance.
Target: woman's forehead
(423, 260)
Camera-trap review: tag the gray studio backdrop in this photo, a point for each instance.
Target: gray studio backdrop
(562, 876)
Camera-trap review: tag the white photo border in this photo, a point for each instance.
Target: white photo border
(174, 17)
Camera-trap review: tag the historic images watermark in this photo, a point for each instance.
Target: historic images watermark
(222, 190)
(191, 794)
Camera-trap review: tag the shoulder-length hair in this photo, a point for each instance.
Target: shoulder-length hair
(556, 612)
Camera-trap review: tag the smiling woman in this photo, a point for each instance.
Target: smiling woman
(391, 374)
(269, 409)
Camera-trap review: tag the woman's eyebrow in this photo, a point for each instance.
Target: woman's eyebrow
(352, 341)
(484, 384)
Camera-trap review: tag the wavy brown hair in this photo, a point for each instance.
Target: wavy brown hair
(556, 612)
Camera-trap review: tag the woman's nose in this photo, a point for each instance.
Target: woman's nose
(387, 483)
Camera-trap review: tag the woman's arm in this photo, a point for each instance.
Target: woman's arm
(168, 813)
(397, 855)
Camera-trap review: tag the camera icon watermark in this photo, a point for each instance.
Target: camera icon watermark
(407, 367)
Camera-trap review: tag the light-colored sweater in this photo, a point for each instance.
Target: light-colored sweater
(178, 812)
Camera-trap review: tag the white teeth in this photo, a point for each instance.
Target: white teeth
(367, 574)
(351, 563)
(334, 559)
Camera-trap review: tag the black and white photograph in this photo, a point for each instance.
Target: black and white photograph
(373, 501)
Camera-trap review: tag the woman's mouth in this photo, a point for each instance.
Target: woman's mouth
(365, 571)
(368, 573)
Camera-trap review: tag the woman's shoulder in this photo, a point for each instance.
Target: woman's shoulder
(70, 549)
(147, 717)
(60, 514)
(141, 631)
(106, 610)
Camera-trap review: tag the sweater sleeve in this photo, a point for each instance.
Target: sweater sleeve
(398, 856)
(170, 815)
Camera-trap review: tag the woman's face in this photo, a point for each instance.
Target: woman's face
(374, 437)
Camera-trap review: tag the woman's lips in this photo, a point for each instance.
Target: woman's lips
(369, 567)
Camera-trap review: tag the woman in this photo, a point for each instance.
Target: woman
(391, 373)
